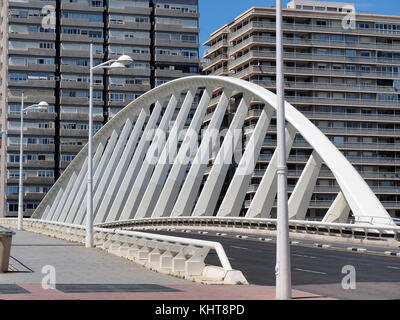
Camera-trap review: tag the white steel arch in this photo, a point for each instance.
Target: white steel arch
(141, 171)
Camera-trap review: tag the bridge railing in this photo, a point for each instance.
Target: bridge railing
(362, 229)
(171, 255)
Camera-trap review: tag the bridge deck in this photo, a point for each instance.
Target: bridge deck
(92, 274)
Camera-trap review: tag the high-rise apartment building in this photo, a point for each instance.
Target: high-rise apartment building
(341, 71)
(45, 54)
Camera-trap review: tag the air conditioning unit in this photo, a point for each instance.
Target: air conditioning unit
(172, 68)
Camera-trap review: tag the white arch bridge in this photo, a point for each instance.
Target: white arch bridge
(142, 172)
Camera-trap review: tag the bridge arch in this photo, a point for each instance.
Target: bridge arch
(134, 180)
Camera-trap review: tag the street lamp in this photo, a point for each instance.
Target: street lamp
(40, 106)
(283, 272)
(113, 64)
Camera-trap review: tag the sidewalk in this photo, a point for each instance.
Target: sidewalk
(91, 274)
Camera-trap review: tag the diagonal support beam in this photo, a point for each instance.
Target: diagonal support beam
(65, 203)
(234, 198)
(147, 168)
(120, 171)
(212, 189)
(175, 179)
(339, 211)
(79, 208)
(106, 176)
(264, 199)
(302, 193)
(187, 197)
(119, 196)
(168, 155)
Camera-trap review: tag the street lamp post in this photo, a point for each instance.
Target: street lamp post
(283, 272)
(40, 106)
(119, 63)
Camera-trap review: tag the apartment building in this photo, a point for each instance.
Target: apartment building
(45, 54)
(341, 71)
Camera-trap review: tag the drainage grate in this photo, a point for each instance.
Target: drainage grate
(12, 289)
(112, 288)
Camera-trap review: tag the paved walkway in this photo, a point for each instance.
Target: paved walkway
(89, 273)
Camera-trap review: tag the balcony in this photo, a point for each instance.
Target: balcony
(29, 180)
(352, 117)
(215, 47)
(173, 58)
(175, 13)
(271, 55)
(129, 9)
(71, 148)
(33, 67)
(33, 148)
(33, 115)
(259, 41)
(343, 146)
(130, 87)
(340, 87)
(33, 84)
(214, 61)
(79, 116)
(355, 160)
(260, 70)
(300, 27)
(33, 52)
(74, 133)
(32, 132)
(33, 164)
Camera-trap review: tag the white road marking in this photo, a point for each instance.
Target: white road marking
(239, 248)
(396, 268)
(309, 257)
(310, 271)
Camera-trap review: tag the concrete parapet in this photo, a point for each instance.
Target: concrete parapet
(175, 259)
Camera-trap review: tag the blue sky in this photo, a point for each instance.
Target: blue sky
(216, 13)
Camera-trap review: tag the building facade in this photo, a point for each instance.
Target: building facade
(45, 55)
(341, 71)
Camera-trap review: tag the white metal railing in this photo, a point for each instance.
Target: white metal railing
(363, 226)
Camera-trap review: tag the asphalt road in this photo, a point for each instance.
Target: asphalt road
(314, 270)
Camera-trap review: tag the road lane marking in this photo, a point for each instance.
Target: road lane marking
(396, 268)
(310, 271)
(239, 248)
(303, 256)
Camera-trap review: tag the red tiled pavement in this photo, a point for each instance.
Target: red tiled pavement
(188, 292)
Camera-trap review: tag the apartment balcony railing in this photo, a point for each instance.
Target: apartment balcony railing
(220, 58)
(340, 101)
(215, 47)
(249, 129)
(255, 40)
(344, 145)
(259, 173)
(221, 71)
(334, 189)
(317, 72)
(351, 116)
(309, 28)
(328, 86)
(312, 57)
(265, 158)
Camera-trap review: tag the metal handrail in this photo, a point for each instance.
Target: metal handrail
(6, 231)
(364, 225)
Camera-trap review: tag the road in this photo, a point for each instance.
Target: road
(314, 270)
